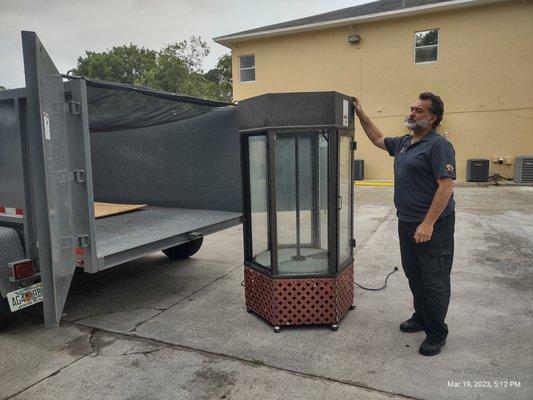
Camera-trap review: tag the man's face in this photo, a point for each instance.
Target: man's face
(420, 116)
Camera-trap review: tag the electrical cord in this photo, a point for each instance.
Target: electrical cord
(363, 287)
(497, 177)
(381, 288)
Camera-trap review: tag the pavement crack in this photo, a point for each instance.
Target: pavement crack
(92, 342)
(144, 353)
(58, 371)
(137, 325)
(116, 312)
(246, 361)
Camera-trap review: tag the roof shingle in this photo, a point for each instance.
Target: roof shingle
(375, 7)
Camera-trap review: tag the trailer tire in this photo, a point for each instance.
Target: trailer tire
(185, 250)
(6, 316)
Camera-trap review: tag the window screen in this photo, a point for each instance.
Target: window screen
(247, 68)
(426, 46)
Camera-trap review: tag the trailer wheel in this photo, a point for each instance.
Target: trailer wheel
(6, 316)
(184, 250)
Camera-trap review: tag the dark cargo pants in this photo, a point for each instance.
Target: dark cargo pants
(427, 266)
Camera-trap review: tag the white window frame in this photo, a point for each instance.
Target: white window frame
(421, 47)
(247, 68)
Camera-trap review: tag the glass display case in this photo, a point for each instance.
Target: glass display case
(297, 156)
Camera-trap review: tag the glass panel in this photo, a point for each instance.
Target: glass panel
(427, 38)
(247, 61)
(247, 75)
(345, 186)
(258, 199)
(426, 54)
(301, 201)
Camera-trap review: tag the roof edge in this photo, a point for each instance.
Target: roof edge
(228, 40)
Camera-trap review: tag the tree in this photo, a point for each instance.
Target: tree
(124, 64)
(176, 68)
(2, 87)
(221, 77)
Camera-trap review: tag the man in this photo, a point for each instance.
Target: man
(424, 170)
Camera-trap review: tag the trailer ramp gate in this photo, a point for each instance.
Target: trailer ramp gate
(60, 116)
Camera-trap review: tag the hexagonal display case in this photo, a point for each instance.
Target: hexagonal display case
(297, 157)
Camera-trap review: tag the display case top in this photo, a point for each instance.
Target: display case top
(303, 109)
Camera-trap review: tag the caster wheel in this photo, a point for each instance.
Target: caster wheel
(352, 307)
(277, 329)
(335, 327)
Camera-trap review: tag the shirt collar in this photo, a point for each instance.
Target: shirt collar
(426, 137)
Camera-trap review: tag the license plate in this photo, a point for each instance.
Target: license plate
(25, 297)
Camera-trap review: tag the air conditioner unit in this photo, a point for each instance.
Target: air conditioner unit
(477, 170)
(523, 169)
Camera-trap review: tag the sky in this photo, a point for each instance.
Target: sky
(69, 28)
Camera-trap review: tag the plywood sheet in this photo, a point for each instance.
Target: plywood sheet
(106, 209)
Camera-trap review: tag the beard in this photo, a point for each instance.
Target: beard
(413, 125)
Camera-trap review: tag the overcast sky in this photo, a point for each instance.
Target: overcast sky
(68, 28)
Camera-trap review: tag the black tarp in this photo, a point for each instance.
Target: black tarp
(118, 107)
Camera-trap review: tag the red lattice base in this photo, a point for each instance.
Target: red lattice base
(301, 301)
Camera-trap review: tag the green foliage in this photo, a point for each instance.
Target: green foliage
(221, 76)
(175, 68)
(2, 87)
(124, 64)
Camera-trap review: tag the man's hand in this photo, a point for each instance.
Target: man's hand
(371, 130)
(357, 107)
(423, 232)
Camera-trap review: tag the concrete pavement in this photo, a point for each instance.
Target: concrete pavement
(160, 329)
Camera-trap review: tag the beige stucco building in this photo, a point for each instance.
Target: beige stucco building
(476, 54)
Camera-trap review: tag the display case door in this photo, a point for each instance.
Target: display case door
(344, 199)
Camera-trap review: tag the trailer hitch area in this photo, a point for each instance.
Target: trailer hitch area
(195, 235)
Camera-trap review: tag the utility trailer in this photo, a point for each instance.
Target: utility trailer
(66, 143)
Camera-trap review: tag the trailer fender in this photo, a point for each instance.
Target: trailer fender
(10, 250)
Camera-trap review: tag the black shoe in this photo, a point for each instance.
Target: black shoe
(429, 348)
(411, 325)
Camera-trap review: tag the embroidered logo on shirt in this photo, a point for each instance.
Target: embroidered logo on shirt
(403, 150)
(449, 168)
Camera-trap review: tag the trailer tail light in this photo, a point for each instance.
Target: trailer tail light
(20, 270)
(80, 255)
(11, 212)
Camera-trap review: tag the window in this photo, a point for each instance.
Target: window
(426, 46)
(247, 68)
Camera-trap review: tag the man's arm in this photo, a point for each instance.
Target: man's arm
(438, 204)
(371, 130)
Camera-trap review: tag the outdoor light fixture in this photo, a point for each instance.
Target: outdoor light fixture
(354, 39)
(296, 157)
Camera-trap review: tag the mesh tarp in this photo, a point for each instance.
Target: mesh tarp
(116, 107)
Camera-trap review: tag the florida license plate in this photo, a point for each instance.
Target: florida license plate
(25, 297)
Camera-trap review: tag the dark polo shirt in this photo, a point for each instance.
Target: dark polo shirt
(416, 170)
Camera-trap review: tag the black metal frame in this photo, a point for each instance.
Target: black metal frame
(344, 263)
(332, 132)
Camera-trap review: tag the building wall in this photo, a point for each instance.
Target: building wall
(484, 75)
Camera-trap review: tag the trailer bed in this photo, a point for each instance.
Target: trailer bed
(124, 237)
